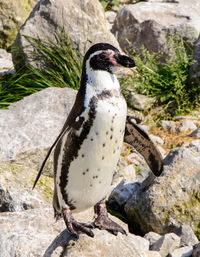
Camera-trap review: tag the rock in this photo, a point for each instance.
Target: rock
(12, 16)
(152, 237)
(194, 75)
(187, 235)
(84, 21)
(182, 252)
(166, 244)
(6, 64)
(28, 233)
(121, 194)
(16, 192)
(144, 127)
(136, 115)
(196, 250)
(196, 133)
(153, 254)
(149, 24)
(144, 175)
(137, 160)
(184, 231)
(186, 125)
(30, 126)
(168, 125)
(162, 151)
(5, 200)
(128, 173)
(140, 102)
(108, 245)
(35, 233)
(175, 194)
(110, 15)
(156, 139)
(195, 145)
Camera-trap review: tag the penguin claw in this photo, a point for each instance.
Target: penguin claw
(75, 228)
(103, 222)
(82, 228)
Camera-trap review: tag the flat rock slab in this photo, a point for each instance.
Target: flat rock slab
(35, 233)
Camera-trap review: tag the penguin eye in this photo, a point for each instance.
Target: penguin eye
(101, 61)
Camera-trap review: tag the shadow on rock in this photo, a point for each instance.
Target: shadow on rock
(61, 240)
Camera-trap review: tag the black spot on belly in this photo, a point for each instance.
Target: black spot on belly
(116, 141)
(111, 137)
(104, 144)
(83, 173)
(106, 132)
(91, 139)
(111, 129)
(83, 155)
(97, 133)
(102, 158)
(114, 151)
(87, 170)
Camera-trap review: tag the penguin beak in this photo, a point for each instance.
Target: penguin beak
(124, 60)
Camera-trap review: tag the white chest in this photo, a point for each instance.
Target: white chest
(90, 174)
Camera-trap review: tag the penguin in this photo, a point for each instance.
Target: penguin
(88, 148)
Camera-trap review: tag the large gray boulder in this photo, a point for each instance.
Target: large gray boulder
(175, 194)
(84, 21)
(30, 126)
(150, 23)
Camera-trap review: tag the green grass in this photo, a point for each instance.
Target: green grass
(62, 69)
(168, 82)
(109, 4)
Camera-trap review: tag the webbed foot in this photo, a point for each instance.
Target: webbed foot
(102, 221)
(75, 228)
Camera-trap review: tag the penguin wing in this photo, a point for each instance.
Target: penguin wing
(141, 141)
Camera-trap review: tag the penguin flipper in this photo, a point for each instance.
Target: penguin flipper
(141, 141)
(49, 152)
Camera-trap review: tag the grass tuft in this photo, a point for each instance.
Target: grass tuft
(61, 68)
(168, 82)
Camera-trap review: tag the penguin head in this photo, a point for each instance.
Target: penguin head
(103, 56)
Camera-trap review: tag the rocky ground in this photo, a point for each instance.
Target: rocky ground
(160, 215)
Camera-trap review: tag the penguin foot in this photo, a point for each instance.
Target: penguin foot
(103, 222)
(75, 228)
